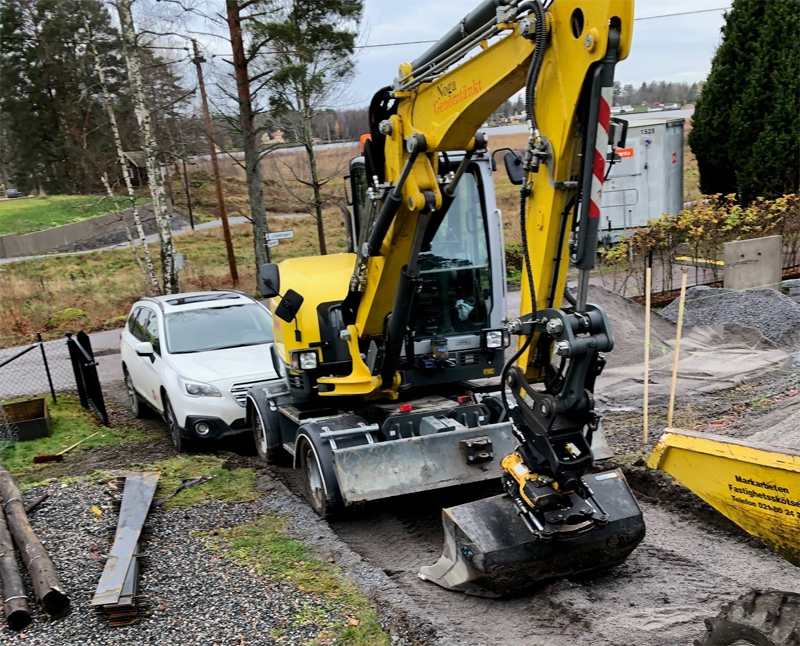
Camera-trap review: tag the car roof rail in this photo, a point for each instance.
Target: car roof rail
(153, 300)
(235, 291)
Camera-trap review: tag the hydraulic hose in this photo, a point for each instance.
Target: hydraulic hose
(540, 42)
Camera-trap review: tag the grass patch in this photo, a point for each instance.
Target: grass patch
(27, 215)
(231, 485)
(266, 545)
(70, 423)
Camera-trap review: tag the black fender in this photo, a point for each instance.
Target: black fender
(323, 452)
(257, 403)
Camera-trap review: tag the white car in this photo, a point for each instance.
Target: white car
(192, 358)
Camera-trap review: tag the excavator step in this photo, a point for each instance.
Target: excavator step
(490, 552)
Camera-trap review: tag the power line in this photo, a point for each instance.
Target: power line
(428, 42)
(367, 46)
(682, 13)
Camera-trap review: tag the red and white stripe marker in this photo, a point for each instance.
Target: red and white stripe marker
(600, 151)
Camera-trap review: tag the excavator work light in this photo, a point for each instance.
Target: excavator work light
(306, 360)
(496, 339)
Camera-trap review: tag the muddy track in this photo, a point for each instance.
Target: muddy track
(689, 564)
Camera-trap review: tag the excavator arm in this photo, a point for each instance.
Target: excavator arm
(556, 517)
(565, 58)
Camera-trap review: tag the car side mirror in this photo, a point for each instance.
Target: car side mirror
(269, 280)
(144, 349)
(513, 161)
(289, 306)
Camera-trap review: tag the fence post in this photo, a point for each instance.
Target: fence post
(76, 368)
(46, 367)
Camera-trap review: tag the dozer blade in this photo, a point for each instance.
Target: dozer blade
(490, 552)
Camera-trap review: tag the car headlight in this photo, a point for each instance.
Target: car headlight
(305, 360)
(198, 388)
(496, 339)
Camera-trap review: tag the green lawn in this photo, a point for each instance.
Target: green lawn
(25, 215)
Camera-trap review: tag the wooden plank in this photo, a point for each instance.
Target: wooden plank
(136, 499)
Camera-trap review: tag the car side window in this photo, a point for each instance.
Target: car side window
(151, 332)
(142, 319)
(132, 321)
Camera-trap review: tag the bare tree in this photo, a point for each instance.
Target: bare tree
(146, 267)
(155, 177)
(314, 44)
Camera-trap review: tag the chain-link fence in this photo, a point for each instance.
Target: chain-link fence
(40, 368)
(47, 369)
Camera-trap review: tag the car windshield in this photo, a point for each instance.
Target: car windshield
(217, 328)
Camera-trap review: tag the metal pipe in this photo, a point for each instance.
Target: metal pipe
(18, 355)
(391, 206)
(474, 20)
(447, 58)
(47, 368)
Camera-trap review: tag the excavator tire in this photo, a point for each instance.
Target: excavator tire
(758, 618)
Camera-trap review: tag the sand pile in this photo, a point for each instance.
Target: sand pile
(627, 325)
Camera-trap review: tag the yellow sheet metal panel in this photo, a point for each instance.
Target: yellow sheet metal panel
(318, 279)
(755, 485)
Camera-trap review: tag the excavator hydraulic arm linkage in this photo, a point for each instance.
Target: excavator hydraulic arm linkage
(562, 519)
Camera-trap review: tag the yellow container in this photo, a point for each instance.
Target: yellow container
(757, 486)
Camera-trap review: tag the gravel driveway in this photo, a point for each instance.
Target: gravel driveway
(195, 595)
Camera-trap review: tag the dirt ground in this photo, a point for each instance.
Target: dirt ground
(690, 563)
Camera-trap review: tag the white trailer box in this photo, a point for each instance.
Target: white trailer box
(648, 180)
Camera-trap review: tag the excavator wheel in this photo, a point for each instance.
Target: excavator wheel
(758, 618)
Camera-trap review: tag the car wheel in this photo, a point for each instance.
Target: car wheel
(134, 403)
(314, 487)
(261, 440)
(174, 429)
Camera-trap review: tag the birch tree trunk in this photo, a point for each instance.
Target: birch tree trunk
(148, 273)
(255, 187)
(155, 178)
(128, 234)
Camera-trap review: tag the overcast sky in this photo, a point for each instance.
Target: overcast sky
(673, 49)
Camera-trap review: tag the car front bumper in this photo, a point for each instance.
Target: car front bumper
(218, 427)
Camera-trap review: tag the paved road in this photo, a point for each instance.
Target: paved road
(153, 237)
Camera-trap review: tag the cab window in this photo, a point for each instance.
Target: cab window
(456, 295)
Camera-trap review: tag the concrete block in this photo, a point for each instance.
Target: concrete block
(753, 263)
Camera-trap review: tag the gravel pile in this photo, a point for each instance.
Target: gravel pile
(776, 316)
(195, 596)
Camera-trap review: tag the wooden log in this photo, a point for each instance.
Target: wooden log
(49, 594)
(15, 602)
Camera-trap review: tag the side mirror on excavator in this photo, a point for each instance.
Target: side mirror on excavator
(269, 280)
(289, 306)
(513, 161)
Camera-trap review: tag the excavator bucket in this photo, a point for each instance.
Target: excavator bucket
(490, 552)
(756, 485)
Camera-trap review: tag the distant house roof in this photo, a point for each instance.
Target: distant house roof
(136, 157)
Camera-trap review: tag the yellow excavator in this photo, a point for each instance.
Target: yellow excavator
(395, 378)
